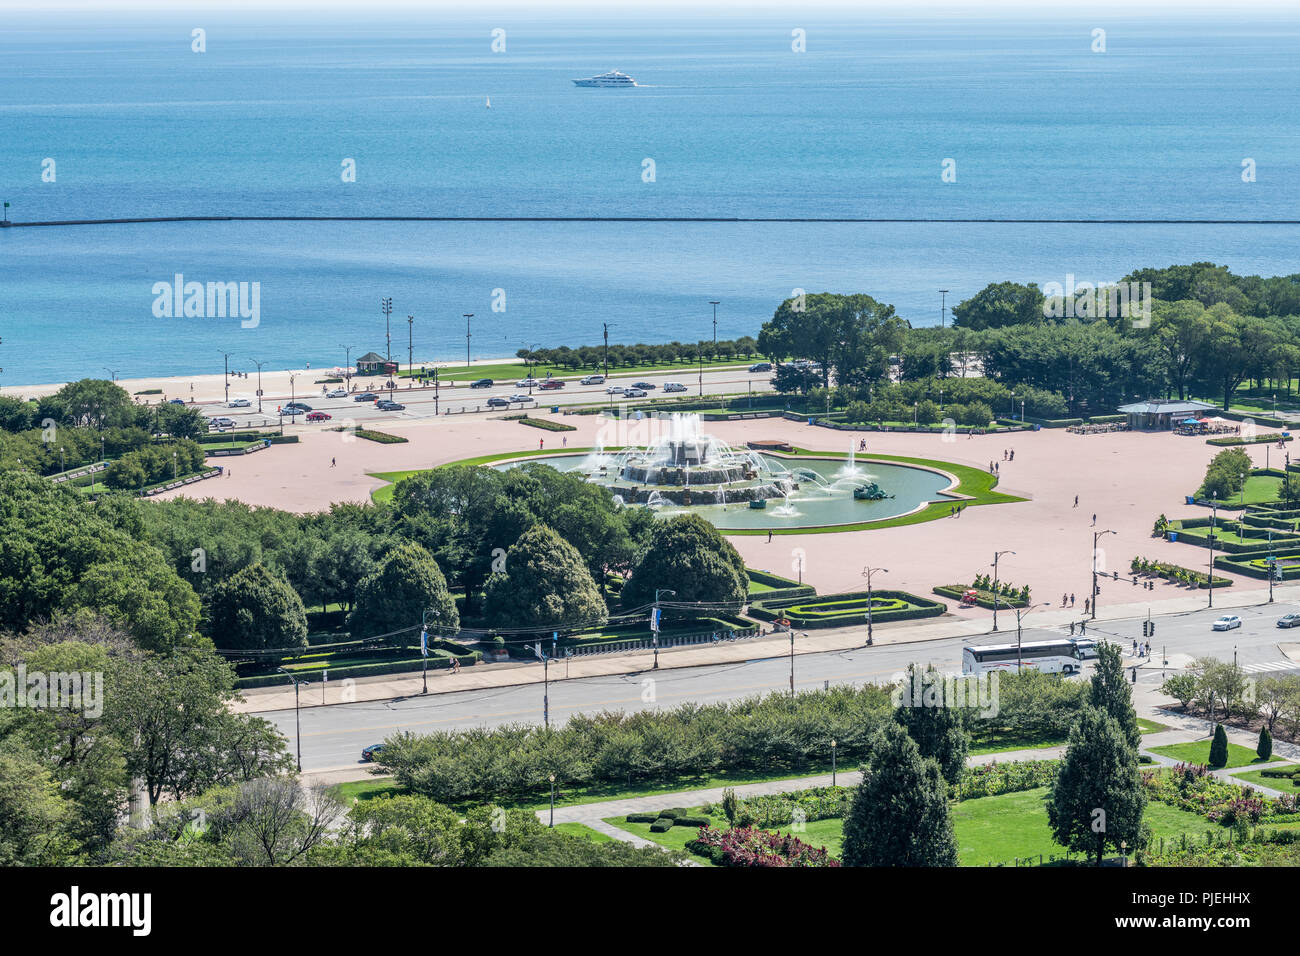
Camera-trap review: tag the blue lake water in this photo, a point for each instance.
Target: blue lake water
(737, 124)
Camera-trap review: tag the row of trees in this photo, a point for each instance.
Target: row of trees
(622, 356)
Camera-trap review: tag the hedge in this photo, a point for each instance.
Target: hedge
(547, 424)
(662, 825)
(810, 617)
(982, 597)
(406, 665)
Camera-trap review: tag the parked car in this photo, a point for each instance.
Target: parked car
(1289, 620)
(593, 380)
(224, 422)
(387, 406)
(337, 393)
(365, 397)
(370, 753)
(551, 383)
(634, 393)
(674, 387)
(761, 367)
(614, 390)
(526, 383)
(519, 397)
(240, 403)
(298, 407)
(176, 401)
(319, 416)
(496, 401)
(481, 383)
(644, 385)
(1227, 622)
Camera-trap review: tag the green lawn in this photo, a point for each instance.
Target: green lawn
(1150, 726)
(1014, 826)
(1199, 752)
(1256, 778)
(582, 830)
(674, 839)
(367, 789)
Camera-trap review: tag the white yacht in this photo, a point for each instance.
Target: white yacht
(612, 78)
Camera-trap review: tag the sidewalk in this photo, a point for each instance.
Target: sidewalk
(490, 676)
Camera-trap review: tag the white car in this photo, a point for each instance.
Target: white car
(1227, 622)
(338, 393)
(521, 398)
(240, 403)
(526, 383)
(614, 390)
(634, 393)
(674, 387)
(593, 380)
(223, 422)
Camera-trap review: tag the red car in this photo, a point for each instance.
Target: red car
(551, 383)
(318, 416)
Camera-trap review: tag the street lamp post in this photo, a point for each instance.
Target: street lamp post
(1096, 535)
(714, 303)
(410, 350)
(867, 573)
(943, 306)
(347, 361)
(467, 316)
(605, 327)
(386, 307)
(996, 555)
(833, 776)
(1021, 614)
(1214, 526)
(226, 356)
(296, 715)
(259, 383)
(552, 779)
(654, 623)
(1272, 566)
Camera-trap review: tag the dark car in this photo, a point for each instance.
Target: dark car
(177, 401)
(482, 383)
(297, 408)
(645, 385)
(365, 397)
(551, 383)
(390, 406)
(496, 401)
(371, 753)
(1289, 620)
(761, 367)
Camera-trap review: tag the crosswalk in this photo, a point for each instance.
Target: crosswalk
(1270, 666)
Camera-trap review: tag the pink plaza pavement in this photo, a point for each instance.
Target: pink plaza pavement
(1125, 478)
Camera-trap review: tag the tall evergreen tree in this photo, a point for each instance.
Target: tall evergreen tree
(933, 721)
(1219, 747)
(1098, 800)
(1111, 693)
(899, 815)
(1265, 747)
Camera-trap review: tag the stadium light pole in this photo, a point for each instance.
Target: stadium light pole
(996, 555)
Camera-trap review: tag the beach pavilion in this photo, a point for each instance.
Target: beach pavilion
(1162, 414)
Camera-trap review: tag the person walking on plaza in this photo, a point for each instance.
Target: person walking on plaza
(1087, 604)
(333, 462)
(1071, 600)
(1065, 599)
(1094, 520)
(1076, 501)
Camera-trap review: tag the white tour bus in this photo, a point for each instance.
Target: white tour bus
(1065, 656)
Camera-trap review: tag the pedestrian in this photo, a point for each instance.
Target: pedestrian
(333, 462)
(1087, 604)
(952, 511)
(1148, 648)
(1013, 454)
(769, 537)
(990, 467)
(1076, 501)
(229, 472)
(1083, 627)
(1135, 645)
(541, 443)
(1064, 599)
(1094, 520)
(996, 469)
(1004, 454)
(564, 441)
(1071, 600)
(1071, 628)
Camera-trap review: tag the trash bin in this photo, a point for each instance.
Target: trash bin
(1191, 500)
(810, 421)
(555, 409)
(1173, 535)
(1038, 427)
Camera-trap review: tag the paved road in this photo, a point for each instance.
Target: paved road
(420, 403)
(333, 736)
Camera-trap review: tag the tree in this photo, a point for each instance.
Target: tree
(33, 814)
(407, 584)
(545, 586)
(899, 815)
(91, 402)
(1264, 749)
(999, 305)
(256, 609)
(688, 555)
(1111, 693)
(1219, 748)
(1097, 799)
(933, 722)
(1226, 474)
(1182, 687)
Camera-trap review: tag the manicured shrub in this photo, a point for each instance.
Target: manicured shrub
(1265, 747)
(661, 825)
(1219, 747)
(642, 817)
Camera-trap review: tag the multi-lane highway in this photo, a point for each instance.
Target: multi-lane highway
(451, 400)
(334, 736)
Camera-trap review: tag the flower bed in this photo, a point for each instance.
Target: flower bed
(996, 778)
(783, 809)
(749, 846)
(1192, 787)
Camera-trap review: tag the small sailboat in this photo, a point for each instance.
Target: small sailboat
(489, 102)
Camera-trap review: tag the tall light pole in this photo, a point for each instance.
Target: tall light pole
(714, 303)
(792, 636)
(1214, 525)
(386, 307)
(467, 316)
(112, 373)
(293, 402)
(605, 326)
(297, 719)
(867, 573)
(410, 350)
(347, 360)
(1022, 613)
(226, 356)
(259, 383)
(1272, 565)
(1096, 536)
(996, 555)
(943, 307)
(654, 623)
(833, 768)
